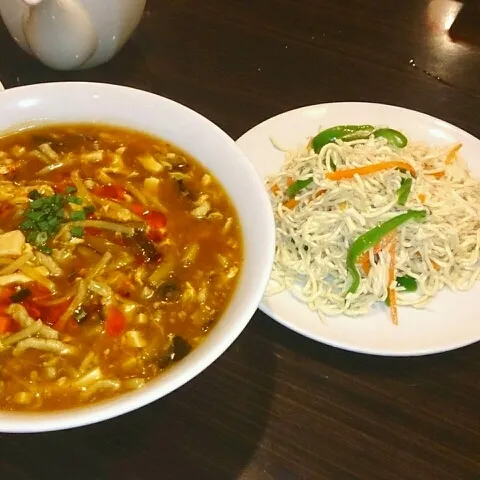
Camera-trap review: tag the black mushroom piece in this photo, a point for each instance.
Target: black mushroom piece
(74, 141)
(20, 295)
(144, 246)
(169, 291)
(180, 164)
(184, 191)
(179, 348)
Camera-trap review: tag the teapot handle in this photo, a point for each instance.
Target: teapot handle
(60, 33)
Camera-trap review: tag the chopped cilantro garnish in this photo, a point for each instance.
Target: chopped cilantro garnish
(43, 218)
(45, 249)
(27, 224)
(31, 236)
(77, 215)
(73, 199)
(41, 238)
(45, 215)
(77, 232)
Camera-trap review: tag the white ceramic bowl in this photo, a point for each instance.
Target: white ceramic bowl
(121, 106)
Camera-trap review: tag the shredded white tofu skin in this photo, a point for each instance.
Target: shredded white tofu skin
(48, 345)
(314, 235)
(21, 316)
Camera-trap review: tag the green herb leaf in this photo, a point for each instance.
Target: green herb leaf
(69, 190)
(77, 215)
(43, 218)
(89, 209)
(27, 224)
(73, 199)
(77, 232)
(41, 238)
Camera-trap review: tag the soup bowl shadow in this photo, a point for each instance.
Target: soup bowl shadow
(77, 102)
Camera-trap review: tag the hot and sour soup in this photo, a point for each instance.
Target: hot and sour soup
(118, 252)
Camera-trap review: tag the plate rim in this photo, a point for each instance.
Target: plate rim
(356, 103)
(263, 306)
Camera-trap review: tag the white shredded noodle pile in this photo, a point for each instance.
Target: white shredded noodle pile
(314, 235)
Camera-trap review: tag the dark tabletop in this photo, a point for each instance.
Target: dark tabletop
(276, 405)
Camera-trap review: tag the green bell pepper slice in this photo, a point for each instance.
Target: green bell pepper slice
(393, 137)
(369, 239)
(404, 191)
(347, 132)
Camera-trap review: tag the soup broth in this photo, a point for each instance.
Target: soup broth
(118, 253)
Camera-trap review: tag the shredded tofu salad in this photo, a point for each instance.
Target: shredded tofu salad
(334, 211)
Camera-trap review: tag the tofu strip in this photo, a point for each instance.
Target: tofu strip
(21, 316)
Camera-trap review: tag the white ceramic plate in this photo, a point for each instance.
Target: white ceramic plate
(451, 320)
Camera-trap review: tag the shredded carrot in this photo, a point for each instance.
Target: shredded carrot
(32, 309)
(422, 197)
(384, 242)
(71, 327)
(92, 231)
(5, 323)
(319, 193)
(115, 192)
(452, 154)
(155, 219)
(290, 181)
(275, 189)
(290, 203)
(366, 265)
(363, 259)
(115, 322)
(392, 294)
(61, 185)
(6, 210)
(138, 209)
(6, 293)
(436, 175)
(54, 312)
(369, 169)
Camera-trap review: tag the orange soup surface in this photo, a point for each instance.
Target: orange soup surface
(118, 253)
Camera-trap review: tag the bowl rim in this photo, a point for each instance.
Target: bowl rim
(169, 381)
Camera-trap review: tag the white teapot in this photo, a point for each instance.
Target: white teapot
(71, 34)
